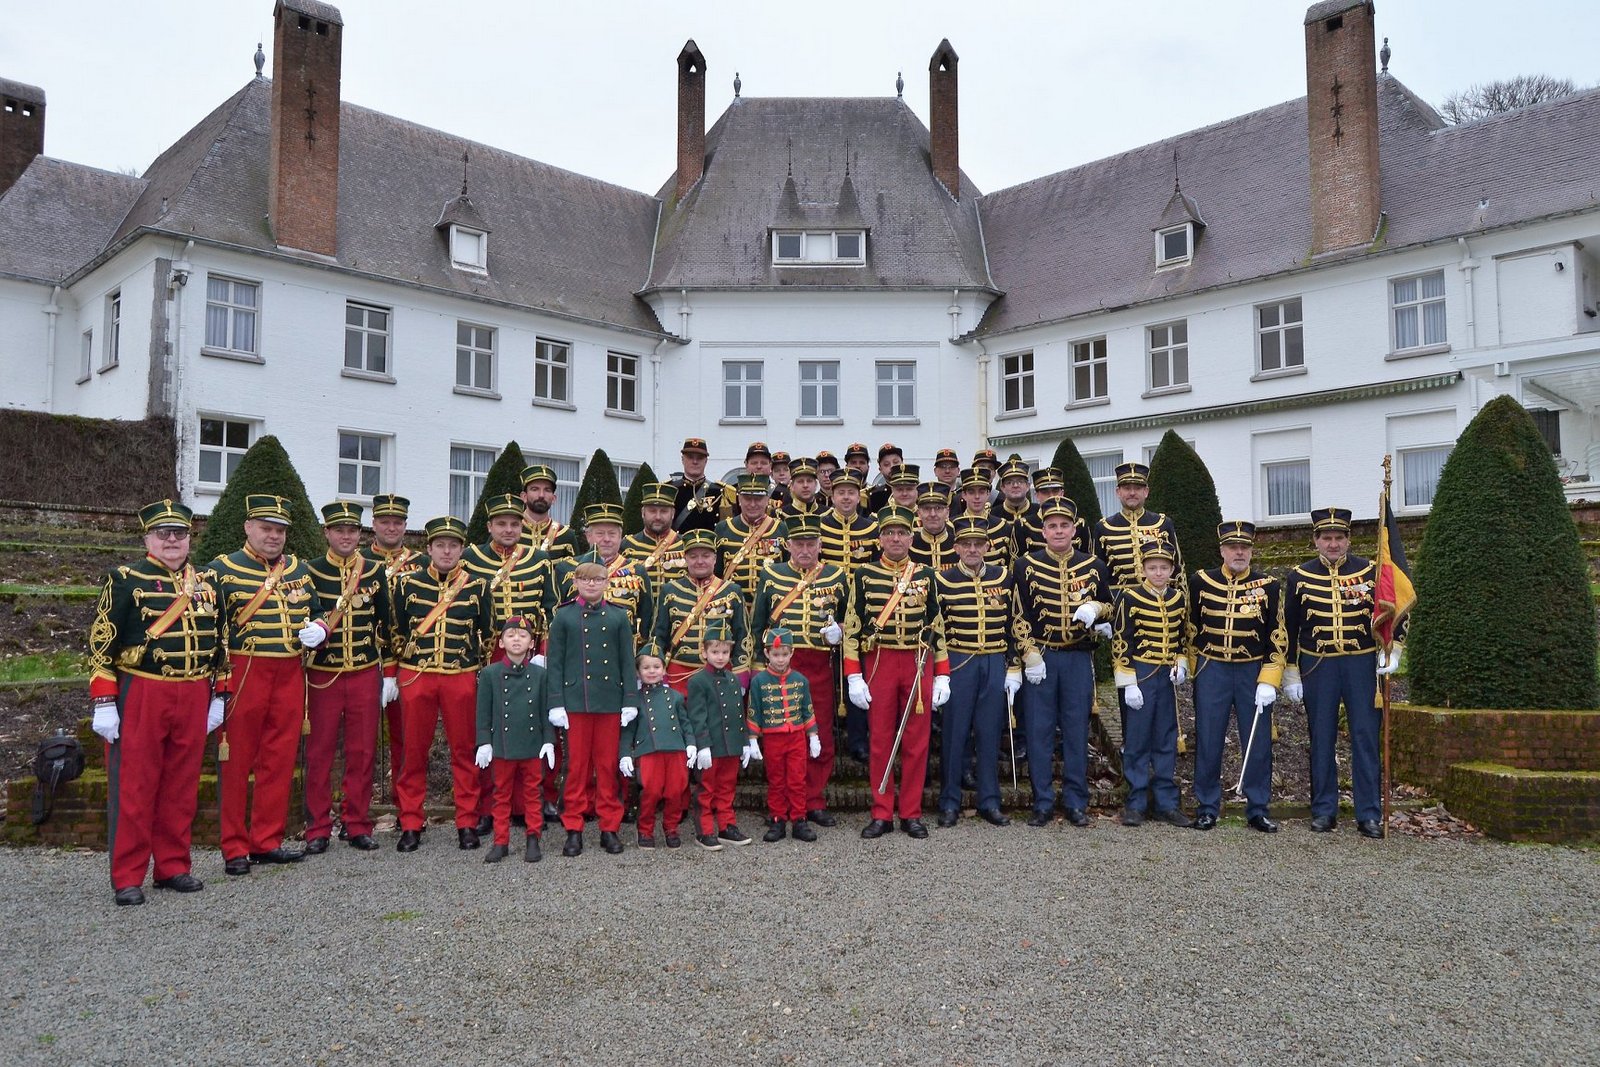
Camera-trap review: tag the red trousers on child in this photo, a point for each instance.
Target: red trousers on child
(263, 735)
(153, 773)
(335, 702)
(663, 776)
(816, 666)
(515, 778)
(889, 672)
(430, 697)
(592, 742)
(716, 794)
(785, 757)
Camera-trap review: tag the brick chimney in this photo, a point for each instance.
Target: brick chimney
(303, 170)
(21, 129)
(1342, 107)
(944, 129)
(691, 117)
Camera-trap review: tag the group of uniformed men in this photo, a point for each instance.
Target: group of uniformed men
(917, 595)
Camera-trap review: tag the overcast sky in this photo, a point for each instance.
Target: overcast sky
(591, 86)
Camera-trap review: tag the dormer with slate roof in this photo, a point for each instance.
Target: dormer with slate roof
(466, 234)
(1177, 230)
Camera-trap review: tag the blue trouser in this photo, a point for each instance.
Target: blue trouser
(1223, 692)
(1061, 702)
(1150, 739)
(977, 706)
(1353, 680)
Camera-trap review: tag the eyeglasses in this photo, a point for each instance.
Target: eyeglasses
(171, 533)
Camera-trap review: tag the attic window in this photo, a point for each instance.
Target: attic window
(469, 249)
(819, 247)
(1175, 245)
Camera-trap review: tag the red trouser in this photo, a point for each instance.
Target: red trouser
(428, 698)
(785, 758)
(392, 719)
(153, 774)
(663, 776)
(348, 701)
(889, 672)
(263, 734)
(716, 794)
(592, 742)
(816, 665)
(515, 778)
(486, 779)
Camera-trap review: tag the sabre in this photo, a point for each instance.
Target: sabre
(1011, 732)
(1238, 790)
(905, 717)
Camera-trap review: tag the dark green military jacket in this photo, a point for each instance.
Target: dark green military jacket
(514, 709)
(662, 724)
(590, 658)
(716, 707)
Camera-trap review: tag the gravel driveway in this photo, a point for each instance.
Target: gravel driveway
(980, 945)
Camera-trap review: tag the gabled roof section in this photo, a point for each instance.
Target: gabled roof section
(919, 237)
(59, 215)
(461, 212)
(1179, 210)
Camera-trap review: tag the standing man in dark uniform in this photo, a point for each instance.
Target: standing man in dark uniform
(388, 549)
(933, 542)
(698, 501)
(750, 540)
(849, 541)
(658, 547)
(781, 476)
(890, 456)
(154, 652)
(827, 466)
(1120, 539)
(540, 532)
(689, 602)
(947, 468)
(1016, 518)
(803, 497)
(628, 583)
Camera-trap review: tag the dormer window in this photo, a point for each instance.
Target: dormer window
(469, 249)
(812, 248)
(1175, 245)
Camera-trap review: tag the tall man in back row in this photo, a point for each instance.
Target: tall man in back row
(1119, 539)
(388, 549)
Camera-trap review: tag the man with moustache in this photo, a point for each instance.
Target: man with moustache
(540, 532)
(388, 549)
(658, 547)
(698, 502)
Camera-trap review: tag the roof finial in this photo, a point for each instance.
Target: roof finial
(1384, 55)
(737, 85)
(1177, 186)
(900, 83)
(463, 173)
(790, 143)
(261, 59)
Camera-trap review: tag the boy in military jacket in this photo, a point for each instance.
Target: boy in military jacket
(514, 735)
(658, 745)
(780, 711)
(716, 710)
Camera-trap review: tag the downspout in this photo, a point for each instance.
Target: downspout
(954, 311)
(983, 396)
(684, 311)
(655, 405)
(1467, 266)
(181, 270)
(51, 311)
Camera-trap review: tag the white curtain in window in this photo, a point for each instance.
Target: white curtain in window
(1289, 488)
(1419, 474)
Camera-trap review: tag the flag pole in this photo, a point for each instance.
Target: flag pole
(1383, 515)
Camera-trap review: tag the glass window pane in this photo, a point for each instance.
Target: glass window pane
(349, 445)
(1269, 352)
(483, 371)
(211, 431)
(1158, 372)
(244, 294)
(788, 246)
(216, 326)
(378, 353)
(1180, 366)
(1405, 290)
(1433, 329)
(347, 478)
(460, 458)
(1027, 392)
(369, 480)
(849, 245)
(1432, 285)
(238, 435)
(210, 466)
(1291, 310)
(484, 459)
(353, 316)
(244, 331)
(352, 349)
(463, 334)
(1294, 345)
(372, 449)
(1269, 315)
(730, 402)
(216, 289)
(1405, 328)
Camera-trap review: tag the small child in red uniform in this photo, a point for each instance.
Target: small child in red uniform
(654, 745)
(716, 708)
(781, 713)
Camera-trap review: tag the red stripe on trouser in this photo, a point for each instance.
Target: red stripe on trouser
(515, 778)
(592, 741)
(347, 702)
(816, 665)
(663, 776)
(785, 758)
(160, 753)
(716, 794)
(429, 698)
(263, 732)
(889, 672)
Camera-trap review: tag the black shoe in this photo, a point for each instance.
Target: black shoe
(1205, 821)
(1370, 828)
(674, 841)
(1264, 824)
(948, 818)
(859, 755)
(344, 832)
(775, 832)
(630, 816)
(364, 842)
(496, 853)
(914, 828)
(551, 813)
(574, 845)
(876, 828)
(969, 781)
(1324, 824)
(316, 846)
(708, 842)
(466, 838)
(1078, 817)
(735, 836)
(181, 883)
(610, 842)
(532, 854)
(277, 855)
(1132, 818)
(803, 832)
(237, 865)
(821, 818)
(646, 840)
(409, 840)
(993, 816)
(1041, 818)
(1174, 817)
(129, 895)
(485, 825)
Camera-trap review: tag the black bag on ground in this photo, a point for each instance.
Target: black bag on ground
(59, 759)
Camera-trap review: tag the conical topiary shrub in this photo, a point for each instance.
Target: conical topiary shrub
(1504, 617)
(265, 468)
(1182, 487)
(505, 476)
(1080, 483)
(599, 486)
(632, 523)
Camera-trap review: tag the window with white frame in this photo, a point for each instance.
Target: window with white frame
(222, 444)
(366, 338)
(1016, 382)
(819, 389)
(626, 473)
(475, 362)
(86, 357)
(569, 472)
(741, 389)
(1175, 245)
(811, 247)
(552, 371)
(469, 469)
(1548, 422)
(1287, 486)
(1103, 472)
(1280, 338)
(469, 248)
(360, 463)
(1419, 474)
(1169, 355)
(113, 352)
(232, 307)
(622, 383)
(897, 390)
(1417, 304)
(1149, 451)
(1088, 370)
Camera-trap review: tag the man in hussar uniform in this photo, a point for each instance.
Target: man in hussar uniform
(1236, 616)
(154, 653)
(808, 597)
(1119, 539)
(933, 542)
(947, 469)
(443, 621)
(346, 679)
(698, 501)
(267, 602)
(858, 459)
(782, 475)
(890, 456)
(749, 540)
(388, 549)
(658, 547)
(688, 602)
(1012, 522)
(803, 496)
(540, 532)
(1333, 659)
(628, 583)
(849, 541)
(827, 466)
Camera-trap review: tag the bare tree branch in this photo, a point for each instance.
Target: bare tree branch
(1509, 94)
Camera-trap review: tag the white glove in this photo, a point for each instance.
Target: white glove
(548, 754)
(215, 713)
(1133, 696)
(107, 723)
(625, 765)
(1294, 692)
(814, 746)
(1102, 630)
(691, 752)
(484, 755)
(860, 696)
(1265, 694)
(941, 690)
(702, 760)
(1086, 615)
(629, 714)
(558, 718)
(1035, 673)
(538, 661)
(312, 635)
(1013, 684)
(833, 632)
(1180, 674)
(1390, 662)
(391, 692)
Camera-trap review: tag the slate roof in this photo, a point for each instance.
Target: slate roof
(918, 235)
(58, 216)
(1078, 241)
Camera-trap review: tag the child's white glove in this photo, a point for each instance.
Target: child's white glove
(702, 760)
(484, 756)
(558, 718)
(625, 765)
(752, 750)
(691, 752)
(629, 714)
(548, 754)
(814, 746)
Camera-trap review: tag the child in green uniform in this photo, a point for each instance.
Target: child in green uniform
(781, 714)
(654, 746)
(716, 708)
(514, 734)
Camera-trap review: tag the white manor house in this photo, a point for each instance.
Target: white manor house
(1296, 291)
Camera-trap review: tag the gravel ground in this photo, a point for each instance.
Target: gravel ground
(981, 945)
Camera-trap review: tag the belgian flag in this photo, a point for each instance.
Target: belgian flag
(1395, 594)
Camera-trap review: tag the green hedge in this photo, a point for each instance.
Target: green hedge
(1182, 487)
(632, 522)
(505, 476)
(265, 468)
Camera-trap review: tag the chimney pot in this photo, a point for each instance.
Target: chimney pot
(1342, 117)
(303, 166)
(943, 119)
(21, 129)
(691, 117)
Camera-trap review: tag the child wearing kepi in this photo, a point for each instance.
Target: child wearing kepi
(514, 734)
(780, 713)
(716, 708)
(654, 746)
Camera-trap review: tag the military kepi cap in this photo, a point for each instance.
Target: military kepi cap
(166, 514)
(267, 508)
(895, 515)
(445, 526)
(390, 504)
(946, 455)
(1048, 478)
(904, 474)
(602, 512)
(758, 448)
(1014, 468)
(1131, 473)
(972, 478)
(717, 630)
(1236, 532)
(1058, 507)
(695, 445)
(753, 485)
(659, 494)
(798, 526)
(777, 637)
(1158, 548)
(846, 477)
(516, 622)
(538, 472)
(803, 466)
(699, 539)
(341, 513)
(971, 528)
(652, 649)
(936, 494)
(503, 504)
(857, 449)
(1330, 519)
